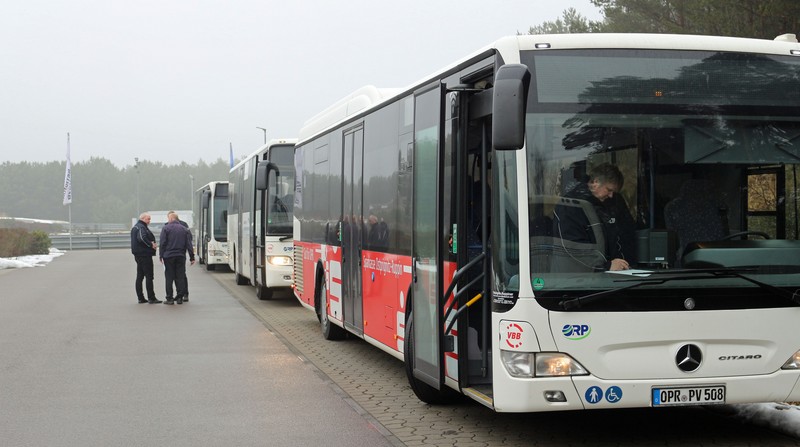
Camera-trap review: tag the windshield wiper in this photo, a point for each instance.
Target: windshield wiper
(662, 276)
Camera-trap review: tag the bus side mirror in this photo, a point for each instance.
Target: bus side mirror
(206, 200)
(262, 174)
(509, 105)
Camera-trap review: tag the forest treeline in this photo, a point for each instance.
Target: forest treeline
(764, 19)
(101, 192)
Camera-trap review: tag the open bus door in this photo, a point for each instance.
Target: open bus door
(426, 338)
(424, 333)
(263, 169)
(203, 227)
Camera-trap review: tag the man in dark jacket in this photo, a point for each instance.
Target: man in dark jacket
(601, 191)
(143, 247)
(175, 241)
(185, 225)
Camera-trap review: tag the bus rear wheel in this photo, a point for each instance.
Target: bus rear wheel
(422, 390)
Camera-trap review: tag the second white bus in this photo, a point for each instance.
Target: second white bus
(260, 218)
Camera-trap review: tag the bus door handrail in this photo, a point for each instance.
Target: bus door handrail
(456, 278)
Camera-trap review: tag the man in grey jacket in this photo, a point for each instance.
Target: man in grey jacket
(174, 242)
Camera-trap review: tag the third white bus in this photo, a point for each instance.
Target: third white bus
(211, 231)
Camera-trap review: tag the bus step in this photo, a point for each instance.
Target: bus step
(480, 393)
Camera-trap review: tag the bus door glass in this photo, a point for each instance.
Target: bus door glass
(205, 226)
(427, 320)
(352, 223)
(220, 214)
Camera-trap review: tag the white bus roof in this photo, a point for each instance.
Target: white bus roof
(261, 149)
(361, 99)
(369, 96)
(210, 184)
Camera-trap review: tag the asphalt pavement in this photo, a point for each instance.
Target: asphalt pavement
(83, 363)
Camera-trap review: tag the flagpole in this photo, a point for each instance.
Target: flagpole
(70, 226)
(68, 191)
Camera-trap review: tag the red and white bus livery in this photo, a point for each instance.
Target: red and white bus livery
(564, 222)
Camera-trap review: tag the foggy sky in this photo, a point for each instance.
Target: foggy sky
(181, 80)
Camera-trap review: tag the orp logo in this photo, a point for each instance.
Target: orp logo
(576, 331)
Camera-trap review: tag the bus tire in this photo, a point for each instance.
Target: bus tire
(263, 293)
(422, 390)
(330, 331)
(241, 280)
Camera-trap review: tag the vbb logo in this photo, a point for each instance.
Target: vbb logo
(514, 335)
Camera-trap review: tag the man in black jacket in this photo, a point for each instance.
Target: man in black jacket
(185, 225)
(143, 247)
(175, 241)
(601, 191)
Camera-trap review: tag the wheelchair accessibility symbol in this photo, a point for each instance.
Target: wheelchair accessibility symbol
(613, 394)
(595, 394)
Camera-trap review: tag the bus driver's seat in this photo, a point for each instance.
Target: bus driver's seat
(697, 214)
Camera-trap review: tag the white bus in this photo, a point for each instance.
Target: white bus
(260, 218)
(432, 222)
(158, 218)
(211, 233)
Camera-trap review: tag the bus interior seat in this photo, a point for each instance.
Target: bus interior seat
(698, 214)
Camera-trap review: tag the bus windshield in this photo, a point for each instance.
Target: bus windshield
(643, 163)
(280, 191)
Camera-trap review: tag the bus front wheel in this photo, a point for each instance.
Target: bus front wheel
(264, 293)
(330, 331)
(241, 280)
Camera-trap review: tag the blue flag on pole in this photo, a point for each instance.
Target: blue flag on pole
(231, 154)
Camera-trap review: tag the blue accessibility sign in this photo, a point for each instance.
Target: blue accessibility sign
(613, 394)
(594, 394)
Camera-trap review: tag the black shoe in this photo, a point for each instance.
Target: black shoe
(154, 301)
(169, 301)
(179, 300)
(186, 299)
(142, 301)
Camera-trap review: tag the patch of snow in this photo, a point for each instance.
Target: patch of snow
(30, 261)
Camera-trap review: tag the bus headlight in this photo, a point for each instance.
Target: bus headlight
(518, 364)
(793, 362)
(548, 364)
(279, 260)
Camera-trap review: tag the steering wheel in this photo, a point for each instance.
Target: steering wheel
(746, 233)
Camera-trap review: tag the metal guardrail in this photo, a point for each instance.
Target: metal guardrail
(92, 241)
